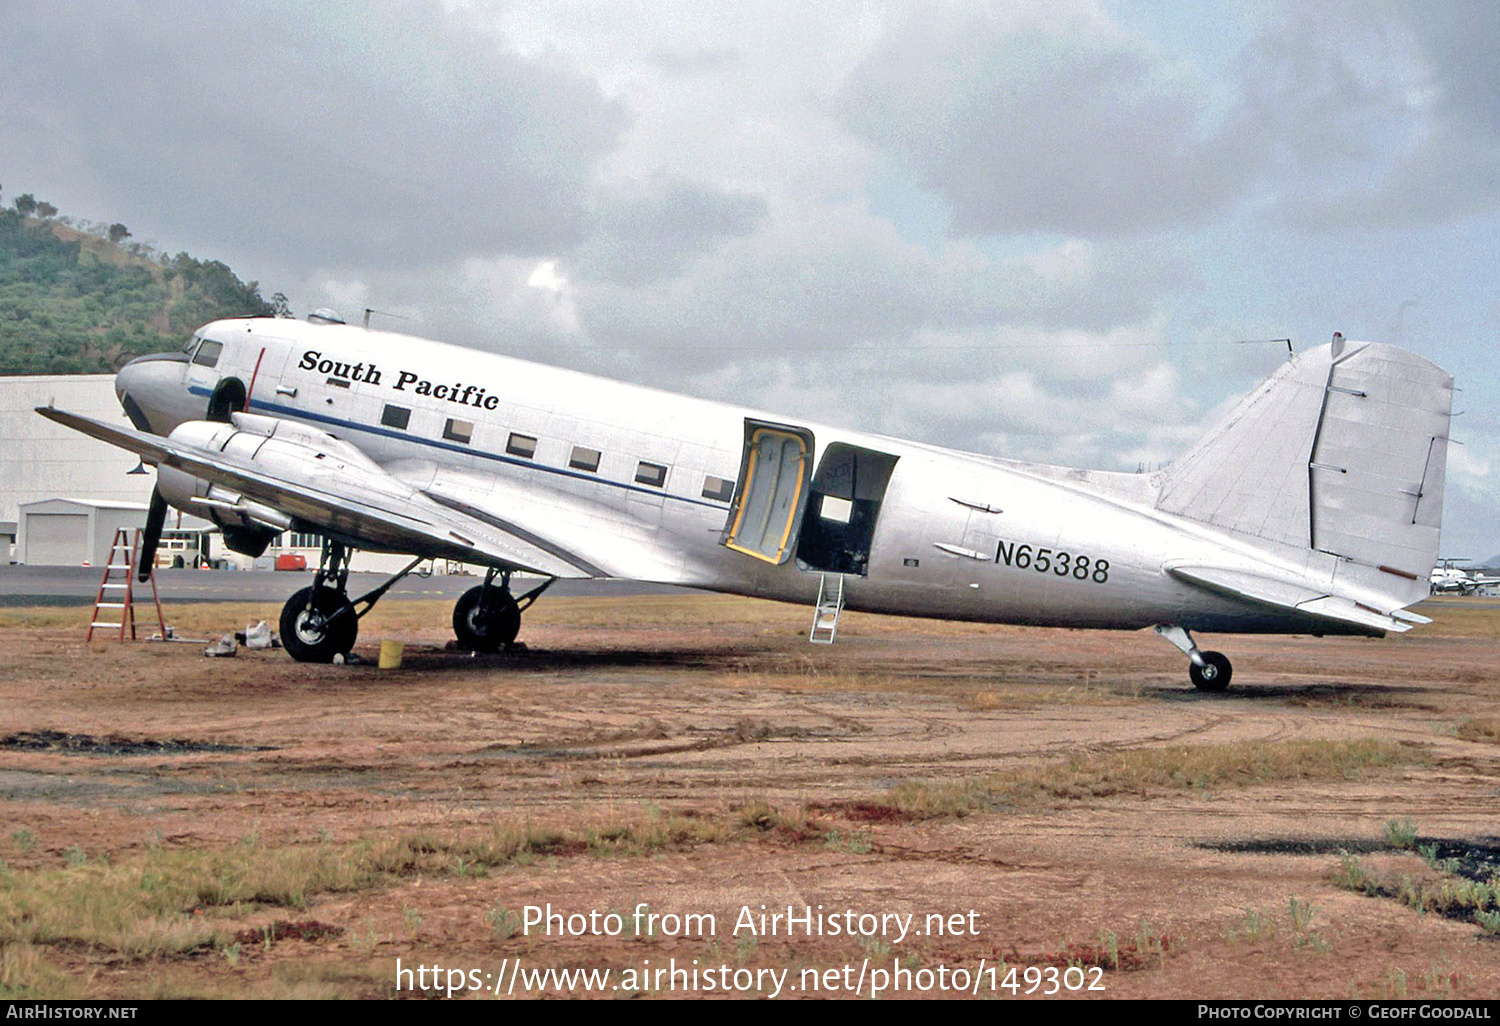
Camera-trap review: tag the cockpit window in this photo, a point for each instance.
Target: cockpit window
(208, 353)
(191, 343)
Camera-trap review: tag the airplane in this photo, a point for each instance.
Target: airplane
(1310, 509)
(1447, 579)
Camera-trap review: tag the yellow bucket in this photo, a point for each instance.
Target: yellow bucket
(390, 655)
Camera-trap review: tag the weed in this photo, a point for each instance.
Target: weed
(412, 918)
(1401, 833)
(1109, 943)
(24, 839)
(503, 922)
(231, 955)
(744, 948)
(875, 946)
(854, 844)
(1301, 912)
(76, 857)
(1252, 927)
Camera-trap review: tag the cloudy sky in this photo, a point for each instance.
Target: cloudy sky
(1035, 229)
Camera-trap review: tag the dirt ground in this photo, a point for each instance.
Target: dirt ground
(775, 774)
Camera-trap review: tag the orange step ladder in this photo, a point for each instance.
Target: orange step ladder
(117, 587)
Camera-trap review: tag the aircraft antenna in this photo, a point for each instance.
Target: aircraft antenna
(384, 313)
(1265, 341)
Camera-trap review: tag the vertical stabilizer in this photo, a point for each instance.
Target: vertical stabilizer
(1341, 451)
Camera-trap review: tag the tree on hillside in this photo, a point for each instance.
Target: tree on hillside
(46, 211)
(118, 233)
(280, 305)
(26, 204)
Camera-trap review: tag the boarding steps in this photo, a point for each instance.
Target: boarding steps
(830, 605)
(117, 587)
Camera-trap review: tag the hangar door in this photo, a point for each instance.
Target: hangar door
(57, 539)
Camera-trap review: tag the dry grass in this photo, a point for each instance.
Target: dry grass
(171, 902)
(1460, 618)
(1483, 729)
(1146, 770)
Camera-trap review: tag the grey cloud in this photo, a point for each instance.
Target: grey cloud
(346, 134)
(644, 231)
(1034, 130)
(1389, 116)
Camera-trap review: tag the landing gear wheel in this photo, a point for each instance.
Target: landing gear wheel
(1214, 676)
(490, 626)
(326, 630)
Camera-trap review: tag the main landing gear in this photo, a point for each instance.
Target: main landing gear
(487, 618)
(1209, 671)
(320, 622)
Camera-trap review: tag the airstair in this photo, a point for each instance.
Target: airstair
(830, 605)
(117, 588)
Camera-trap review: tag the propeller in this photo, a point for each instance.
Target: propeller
(156, 516)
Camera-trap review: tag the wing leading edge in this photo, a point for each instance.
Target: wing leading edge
(333, 487)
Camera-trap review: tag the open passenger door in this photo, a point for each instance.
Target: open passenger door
(771, 491)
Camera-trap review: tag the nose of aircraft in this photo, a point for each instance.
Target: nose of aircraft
(146, 384)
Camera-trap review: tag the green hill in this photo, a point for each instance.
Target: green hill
(75, 299)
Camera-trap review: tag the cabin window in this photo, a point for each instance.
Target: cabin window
(653, 474)
(521, 445)
(584, 459)
(396, 417)
(717, 488)
(208, 353)
(458, 431)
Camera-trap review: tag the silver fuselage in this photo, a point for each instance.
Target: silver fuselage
(958, 535)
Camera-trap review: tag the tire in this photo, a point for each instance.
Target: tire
(1213, 677)
(316, 637)
(489, 631)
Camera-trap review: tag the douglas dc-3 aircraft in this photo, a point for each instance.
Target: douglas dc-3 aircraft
(1312, 508)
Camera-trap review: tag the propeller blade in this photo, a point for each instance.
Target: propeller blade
(156, 516)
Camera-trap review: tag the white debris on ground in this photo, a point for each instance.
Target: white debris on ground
(224, 647)
(259, 636)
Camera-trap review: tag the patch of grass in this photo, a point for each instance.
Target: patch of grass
(1453, 897)
(26, 974)
(1143, 770)
(795, 824)
(1253, 927)
(1401, 833)
(855, 844)
(503, 922)
(168, 901)
(1473, 618)
(1485, 730)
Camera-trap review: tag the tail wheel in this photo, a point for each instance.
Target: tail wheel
(1213, 675)
(486, 625)
(317, 632)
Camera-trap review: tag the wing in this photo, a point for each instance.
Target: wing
(318, 479)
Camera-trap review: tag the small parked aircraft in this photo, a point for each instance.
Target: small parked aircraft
(1312, 508)
(1447, 579)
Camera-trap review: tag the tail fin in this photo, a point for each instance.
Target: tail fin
(1340, 451)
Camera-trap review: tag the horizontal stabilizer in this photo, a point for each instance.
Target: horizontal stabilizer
(1290, 593)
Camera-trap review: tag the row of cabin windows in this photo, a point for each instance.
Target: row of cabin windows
(582, 457)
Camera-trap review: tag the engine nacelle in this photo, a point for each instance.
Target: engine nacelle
(248, 527)
(306, 460)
